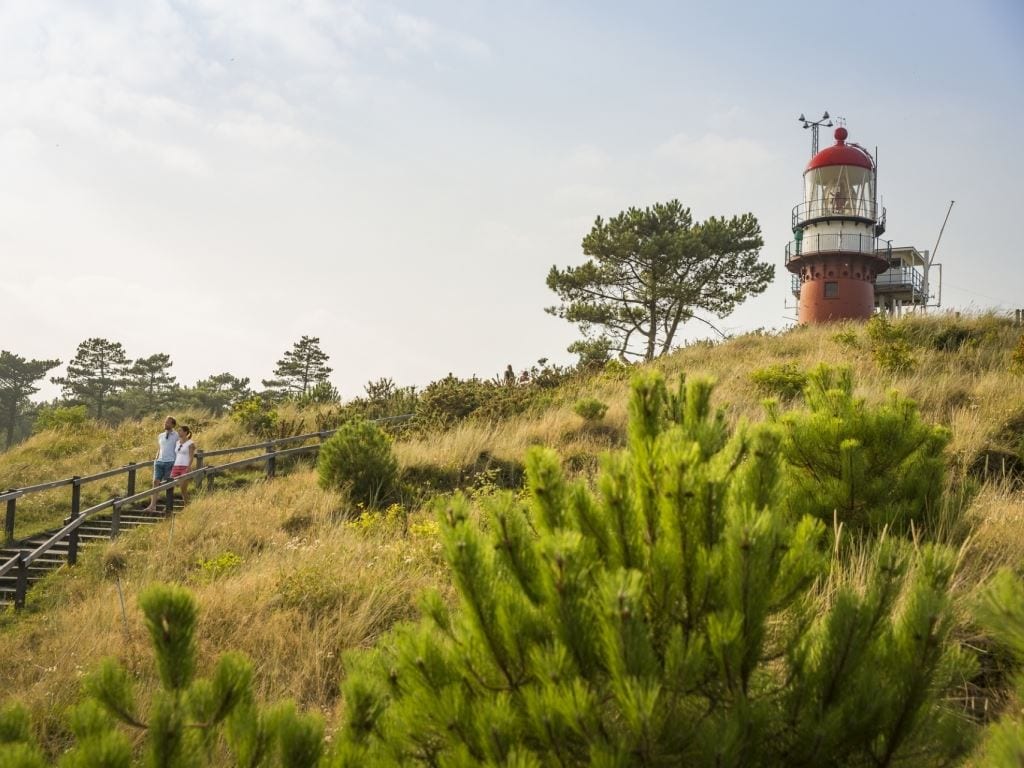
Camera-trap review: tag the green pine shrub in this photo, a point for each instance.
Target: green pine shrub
(358, 458)
(679, 615)
(191, 721)
(782, 380)
(1000, 608)
(590, 409)
(867, 466)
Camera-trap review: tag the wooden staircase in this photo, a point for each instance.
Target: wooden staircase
(97, 529)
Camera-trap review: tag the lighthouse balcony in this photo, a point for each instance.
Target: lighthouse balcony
(839, 208)
(838, 243)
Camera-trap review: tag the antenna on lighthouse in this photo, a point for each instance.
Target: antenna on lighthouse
(814, 126)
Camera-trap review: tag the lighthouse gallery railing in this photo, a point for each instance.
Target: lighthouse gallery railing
(838, 243)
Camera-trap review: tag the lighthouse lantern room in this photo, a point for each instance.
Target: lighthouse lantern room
(836, 254)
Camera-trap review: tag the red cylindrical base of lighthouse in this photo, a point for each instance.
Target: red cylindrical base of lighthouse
(838, 298)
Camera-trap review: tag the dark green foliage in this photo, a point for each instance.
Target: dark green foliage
(869, 466)
(590, 409)
(448, 401)
(98, 372)
(651, 270)
(670, 618)
(152, 388)
(18, 378)
(782, 380)
(218, 392)
(1000, 608)
(301, 369)
(359, 459)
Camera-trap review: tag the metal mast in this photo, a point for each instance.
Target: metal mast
(814, 126)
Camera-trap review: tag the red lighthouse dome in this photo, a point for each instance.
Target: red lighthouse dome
(842, 153)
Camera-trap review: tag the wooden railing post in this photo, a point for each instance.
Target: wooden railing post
(271, 461)
(209, 478)
(115, 518)
(132, 469)
(9, 519)
(76, 496)
(169, 501)
(21, 582)
(76, 510)
(199, 459)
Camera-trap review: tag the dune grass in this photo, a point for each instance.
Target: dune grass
(283, 572)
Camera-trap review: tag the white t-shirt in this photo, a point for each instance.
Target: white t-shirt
(167, 442)
(181, 454)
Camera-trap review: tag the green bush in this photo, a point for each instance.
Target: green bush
(867, 466)
(889, 345)
(672, 618)
(256, 416)
(847, 339)
(590, 408)
(60, 417)
(782, 380)
(358, 458)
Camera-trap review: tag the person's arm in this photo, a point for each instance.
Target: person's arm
(191, 452)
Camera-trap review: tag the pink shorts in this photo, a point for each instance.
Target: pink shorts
(178, 471)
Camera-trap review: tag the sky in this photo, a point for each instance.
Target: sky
(214, 180)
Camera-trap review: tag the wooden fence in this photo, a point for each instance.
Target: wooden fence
(20, 562)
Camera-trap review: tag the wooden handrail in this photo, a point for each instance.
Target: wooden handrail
(22, 560)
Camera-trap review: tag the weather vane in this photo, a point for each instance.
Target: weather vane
(814, 126)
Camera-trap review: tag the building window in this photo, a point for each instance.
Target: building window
(831, 290)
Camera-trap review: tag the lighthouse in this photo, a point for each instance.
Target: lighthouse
(836, 253)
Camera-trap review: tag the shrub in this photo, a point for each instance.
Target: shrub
(889, 345)
(60, 417)
(671, 619)
(847, 339)
(590, 409)
(214, 567)
(870, 466)
(1017, 358)
(256, 417)
(187, 715)
(358, 458)
(782, 380)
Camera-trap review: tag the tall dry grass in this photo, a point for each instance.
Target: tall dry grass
(276, 574)
(279, 574)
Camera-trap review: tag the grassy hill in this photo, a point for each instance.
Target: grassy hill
(292, 576)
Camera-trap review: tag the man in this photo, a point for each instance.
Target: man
(166, 442)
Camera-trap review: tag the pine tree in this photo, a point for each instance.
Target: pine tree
(151, 378)
(869, 466)
(680, 615)
(18, 378)
(98, 371)
(188, 715)
(302, 368)
(220, 391)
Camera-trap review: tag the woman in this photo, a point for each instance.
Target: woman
(184, 452)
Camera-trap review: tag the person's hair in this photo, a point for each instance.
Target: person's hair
(174, 421)
(185, 429)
